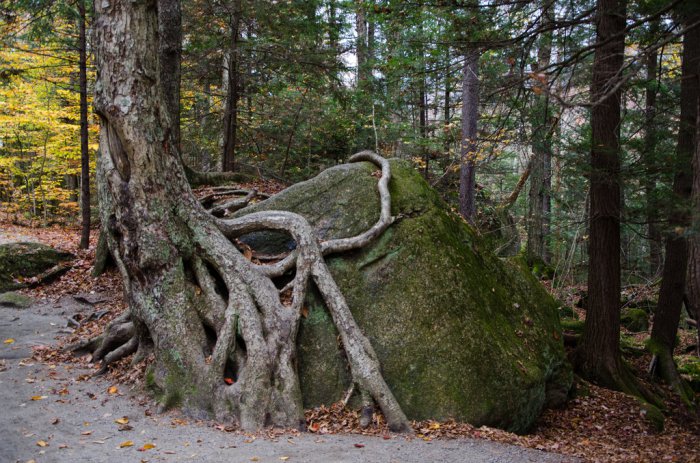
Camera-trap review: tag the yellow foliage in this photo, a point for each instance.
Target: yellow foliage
(40, 132)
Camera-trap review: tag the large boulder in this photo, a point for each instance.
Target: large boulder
(459, 333)
(19, 261)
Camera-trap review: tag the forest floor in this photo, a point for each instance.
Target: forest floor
(597, 425)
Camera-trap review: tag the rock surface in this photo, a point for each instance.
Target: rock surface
(25, 260)
(459, 333)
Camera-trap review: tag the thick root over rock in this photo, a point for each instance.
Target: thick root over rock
(224, 333)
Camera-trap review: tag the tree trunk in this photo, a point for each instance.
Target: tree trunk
(470, 116)
(233, 93)
(84, 152)
(362, 46)
(205, 311)
(539, 195)
(598, 356)
(692, 289)
(650, 163)
(668, 311)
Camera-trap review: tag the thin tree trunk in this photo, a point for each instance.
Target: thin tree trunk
(668, 311)
(650, 164)
(540, 177)
(233, 94)
(470, 116)
(84, 153)
(446, 107)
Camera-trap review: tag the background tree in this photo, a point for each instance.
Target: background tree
(668, 310)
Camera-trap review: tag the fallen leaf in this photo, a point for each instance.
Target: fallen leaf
(359, 446)
(122, 420)
(9, 341)
(63, 446)
(42, 443)
(313, 427)
(147, 447)
(255, 459)
(284, 458)
(56, 421)
(126, 443)
(112, 390)
(86, 433)
(228, 381)
(39, 397)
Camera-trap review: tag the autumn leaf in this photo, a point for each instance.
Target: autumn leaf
(9, 341)
(359, 446)
(86, 433)
(147, 447)
(39, 397)
(42, 443)
(112, 390)
(122, 420)
(285, 458)
(313, 427)
(126, 443)
(228, 381)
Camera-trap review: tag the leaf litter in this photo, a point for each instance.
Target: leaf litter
(599, 425)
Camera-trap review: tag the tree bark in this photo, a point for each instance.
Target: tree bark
(540, 184)
(668, 311)
(205, 311)
(598, 356)
(84, 152)
(233, 93)
(650, 163)
(692, 289)
(470, 116)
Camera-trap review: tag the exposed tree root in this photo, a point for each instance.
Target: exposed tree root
(664, 366)
(251, 338)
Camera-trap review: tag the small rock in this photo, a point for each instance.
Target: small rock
(16, 300)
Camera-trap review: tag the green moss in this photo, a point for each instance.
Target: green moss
(24, 260)
(17, 300)
(689, 367)
(635, 320)
(570, 324)
(653, 415)
(567, 312)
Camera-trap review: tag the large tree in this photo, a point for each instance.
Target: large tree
(196, 302)
(598, 356)
(673, 282)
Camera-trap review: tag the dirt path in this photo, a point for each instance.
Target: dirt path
(76, 418)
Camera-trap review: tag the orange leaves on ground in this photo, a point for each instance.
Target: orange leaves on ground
(122, 420)
(147, 446)
(9, 341)
(126, 443)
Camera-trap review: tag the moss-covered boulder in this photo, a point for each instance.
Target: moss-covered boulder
(635, 320)
(459, 333)
(19, 261)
